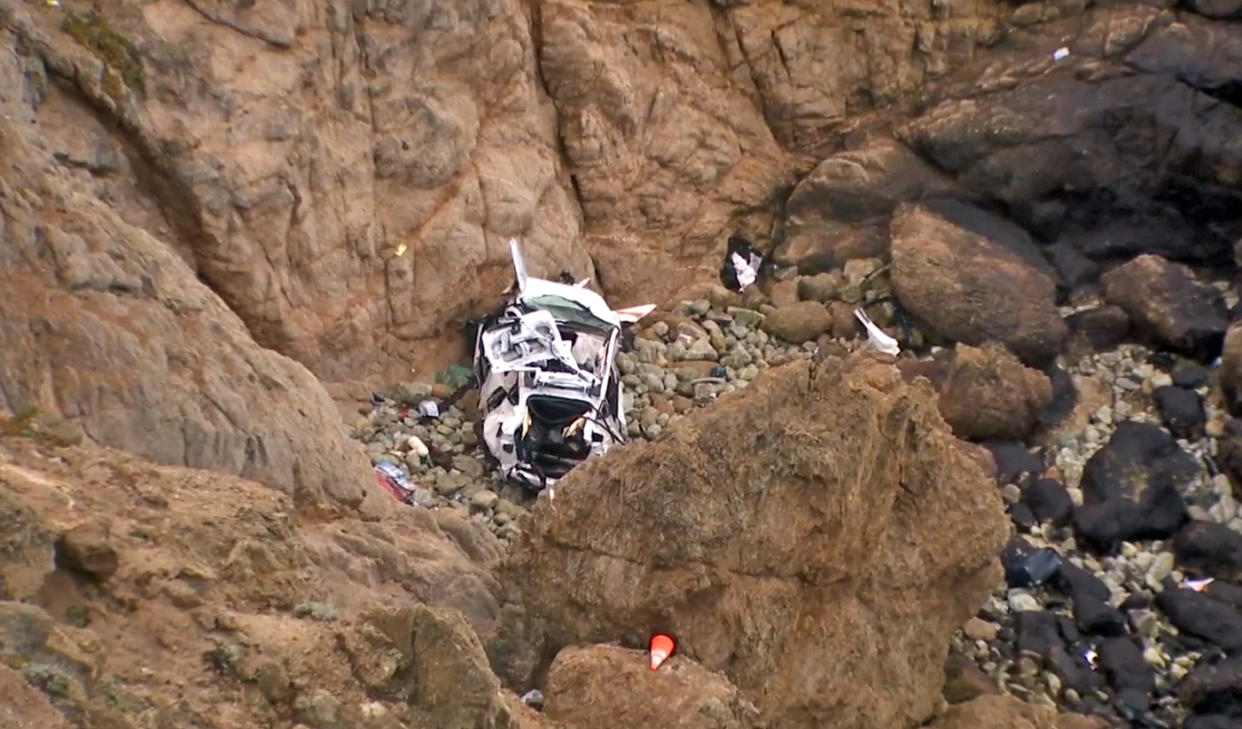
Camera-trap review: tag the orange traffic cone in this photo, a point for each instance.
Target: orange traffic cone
(661, 649)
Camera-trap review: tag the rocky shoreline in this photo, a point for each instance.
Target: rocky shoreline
(1121, 631)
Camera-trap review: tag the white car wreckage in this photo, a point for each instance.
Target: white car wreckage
(550, 392)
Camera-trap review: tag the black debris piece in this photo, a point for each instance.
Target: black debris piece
(1027, 566)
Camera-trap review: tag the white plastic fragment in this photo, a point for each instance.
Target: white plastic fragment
(1091, 656)
(429, 409)
(1061, 54)
(876, 337)
(1198, 585)
(746, 275)
(417, 446)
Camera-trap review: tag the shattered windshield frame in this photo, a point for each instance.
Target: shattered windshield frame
(570, 311)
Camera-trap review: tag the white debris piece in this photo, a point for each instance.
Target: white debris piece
(746, 274)
(416, 445)
(1198, 585)
(1061, 54)
(876, 338)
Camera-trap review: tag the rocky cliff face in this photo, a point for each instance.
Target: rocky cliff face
(207, 208)
(343, 177)
(288, 151)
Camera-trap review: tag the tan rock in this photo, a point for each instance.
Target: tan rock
(28, 555)
(977, 629)
(989, 395)
(608, 686)
(679, 535)
(840, 211)
(964, 680)
(1168, 306)
(997, 712)
(1007, 712)
(972, 290)
(784, 293)
(800, 322)
(354, 145)
(844, 324)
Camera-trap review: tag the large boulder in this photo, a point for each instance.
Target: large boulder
(603, 686)
(840, 210)
(969, 288)
(826, 510)
(109, 330)
(1167, 306)
(989, 395)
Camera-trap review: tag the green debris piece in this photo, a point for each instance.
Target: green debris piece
(455, 377)
(321, 611)
(50, 679)
(76, 616)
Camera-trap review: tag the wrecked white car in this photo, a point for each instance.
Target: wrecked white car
(549, 389)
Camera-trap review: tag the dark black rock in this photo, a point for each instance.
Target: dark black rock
(1225, 592)
(1074, 670)
(1080, 584)
(1067, 628)
(1074, 268)
(1104, 327)
(1213, 548)
(1225, 9)
(1211, 721)
(1132, 487)
(1064, 397)
(1105, 525)
(1022, 517)
(1136, 601)
(1037, 632)
(1014, 463)
(1199, 615)
(1090, 599)
(1214, 688)
(1138, 457)
(1121, 659)
(1097, 617)
(1190, 375)
(1049, 501)
(1181, 411)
